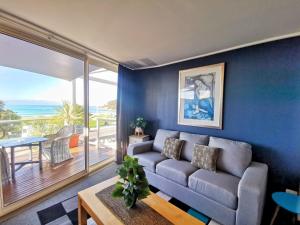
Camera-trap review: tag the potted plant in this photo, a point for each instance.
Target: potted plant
(71, 114)
(139, 124)
(133, 183)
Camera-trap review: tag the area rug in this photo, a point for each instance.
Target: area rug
(65, 212)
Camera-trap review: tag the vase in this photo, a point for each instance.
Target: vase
(132, 201)
(138, 131)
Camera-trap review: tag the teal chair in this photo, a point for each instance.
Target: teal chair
(290, 202)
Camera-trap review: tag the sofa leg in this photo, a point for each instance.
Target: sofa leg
(275, 215)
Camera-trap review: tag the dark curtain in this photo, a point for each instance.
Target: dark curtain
(125, 112)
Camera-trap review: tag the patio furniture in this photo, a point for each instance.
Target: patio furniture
(57, 148)
(5, 169)
(101, 134)
(21, 142)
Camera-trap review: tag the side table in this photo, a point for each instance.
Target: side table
(290, 202)
(138, 139)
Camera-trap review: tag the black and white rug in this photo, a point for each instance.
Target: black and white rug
(65, 212)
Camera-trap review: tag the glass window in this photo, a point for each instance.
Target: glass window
(41, 118)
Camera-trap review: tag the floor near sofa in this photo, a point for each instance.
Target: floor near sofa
(29, 216)
(65, 212)
(64, 203)
(184, 207)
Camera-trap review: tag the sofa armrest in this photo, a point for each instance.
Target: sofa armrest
(138, 148)
(251, 194)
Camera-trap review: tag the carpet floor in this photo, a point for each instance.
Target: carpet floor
(65, 212)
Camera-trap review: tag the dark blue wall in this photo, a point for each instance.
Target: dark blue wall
(261, 103)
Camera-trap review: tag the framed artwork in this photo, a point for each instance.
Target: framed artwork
(200, 96)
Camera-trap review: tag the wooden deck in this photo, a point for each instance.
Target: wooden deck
(30, 179)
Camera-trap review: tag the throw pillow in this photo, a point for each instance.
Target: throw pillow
(205, 157)
(172, 148)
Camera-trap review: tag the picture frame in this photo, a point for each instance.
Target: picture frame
(200, 96)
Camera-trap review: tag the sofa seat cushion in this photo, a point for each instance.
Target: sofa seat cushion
(150, 159)
(218, 186)
(175, 170)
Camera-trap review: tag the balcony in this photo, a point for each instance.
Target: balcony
(29, 178)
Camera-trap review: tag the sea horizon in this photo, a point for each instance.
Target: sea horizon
(45, 110)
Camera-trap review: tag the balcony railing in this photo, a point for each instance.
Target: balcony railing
(99, 128)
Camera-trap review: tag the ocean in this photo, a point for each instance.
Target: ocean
(45, 110)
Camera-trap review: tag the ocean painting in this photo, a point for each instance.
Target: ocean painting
(200, 96)
(199, 93)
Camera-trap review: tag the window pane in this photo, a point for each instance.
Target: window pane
(102, 114)
(41, 101)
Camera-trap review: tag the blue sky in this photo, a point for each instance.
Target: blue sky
(22, 85)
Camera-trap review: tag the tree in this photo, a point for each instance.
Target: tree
(71, 114)
(6, 128)
(111, 105)
(1, 106)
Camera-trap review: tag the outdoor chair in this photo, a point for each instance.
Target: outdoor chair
(5, 167)
(56, 148)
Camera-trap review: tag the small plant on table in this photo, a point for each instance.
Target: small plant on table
(133, 183)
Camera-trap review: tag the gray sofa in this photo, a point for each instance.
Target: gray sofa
(234, 195)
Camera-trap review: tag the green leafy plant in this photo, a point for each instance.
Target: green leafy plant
(9, 129)
(138, 122)
(71, 114)
(133, 184)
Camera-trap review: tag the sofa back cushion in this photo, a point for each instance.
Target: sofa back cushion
(189, 141)
(234, 156)
(160, 138)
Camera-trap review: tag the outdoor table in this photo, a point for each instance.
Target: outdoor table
(22, 142)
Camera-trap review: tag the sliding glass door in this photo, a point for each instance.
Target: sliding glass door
(41, 118)
(102, 113)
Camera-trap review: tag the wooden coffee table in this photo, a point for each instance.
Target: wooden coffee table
(89, 204)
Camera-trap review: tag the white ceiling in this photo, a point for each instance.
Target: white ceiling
(161, 31)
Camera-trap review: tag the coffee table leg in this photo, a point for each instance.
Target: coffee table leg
(40, 156)
(12, 159)
(82, 214)
(275, 214)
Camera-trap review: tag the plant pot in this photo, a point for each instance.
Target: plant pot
(138, 131)
(74, 139)
(131, 203)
